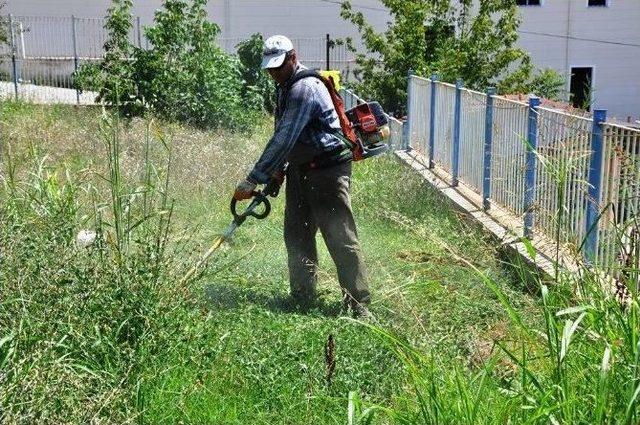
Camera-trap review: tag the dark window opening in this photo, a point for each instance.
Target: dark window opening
(597, 3)
(581, 79)
(528, 2)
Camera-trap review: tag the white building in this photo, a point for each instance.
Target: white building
(595, 43)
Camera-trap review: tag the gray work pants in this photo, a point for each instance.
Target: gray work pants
(319, 199)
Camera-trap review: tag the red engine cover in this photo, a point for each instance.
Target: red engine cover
(366, 119)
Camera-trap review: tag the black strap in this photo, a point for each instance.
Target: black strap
(328, 159)
(306, 73)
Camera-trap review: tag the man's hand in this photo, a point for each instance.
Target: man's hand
(279, 176)
(244, 190)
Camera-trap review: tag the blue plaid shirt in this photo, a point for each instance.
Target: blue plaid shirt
(309, 118)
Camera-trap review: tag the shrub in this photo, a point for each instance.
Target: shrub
(258, 86)
(113, 77)
(184, 76)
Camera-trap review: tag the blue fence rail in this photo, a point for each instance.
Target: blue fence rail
(568, 178)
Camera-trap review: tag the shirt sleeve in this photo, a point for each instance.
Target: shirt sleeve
(301, 107)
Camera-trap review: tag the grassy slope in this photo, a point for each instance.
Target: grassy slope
(240, 354)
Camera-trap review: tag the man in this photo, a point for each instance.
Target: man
(308, 128)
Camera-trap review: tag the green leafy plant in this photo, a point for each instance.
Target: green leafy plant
(184, 76)
(258, 86)
(449, 38)
(113, 77)
(547, 83)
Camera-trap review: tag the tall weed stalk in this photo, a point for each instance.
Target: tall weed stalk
(79, 324)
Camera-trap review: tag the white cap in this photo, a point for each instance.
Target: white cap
(275, 50)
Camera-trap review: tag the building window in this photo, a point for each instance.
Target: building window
(601, 3)
(528, 2)
(581, 87)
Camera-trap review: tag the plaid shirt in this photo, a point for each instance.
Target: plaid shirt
(309, 118)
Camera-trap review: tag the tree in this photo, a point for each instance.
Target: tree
(474, 42)
(183, 76)
(186, 75)
(113, 77)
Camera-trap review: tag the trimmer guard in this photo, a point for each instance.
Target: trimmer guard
(374, 150)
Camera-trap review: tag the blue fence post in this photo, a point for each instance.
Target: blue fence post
(406, 129)
(531, 168)
(595, 184)
(455, 157)
(488, 142)
(432, 120)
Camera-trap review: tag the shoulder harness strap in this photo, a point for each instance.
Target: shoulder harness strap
(337, 101)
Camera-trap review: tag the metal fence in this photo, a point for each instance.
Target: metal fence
(508, 165)
(619, 194)
(43, 52)
(572, 179)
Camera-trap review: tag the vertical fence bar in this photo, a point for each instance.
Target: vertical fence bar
(432, 120)
(139, 29)
(455, 157)
(328, 52)
(595, 184)
(14, 65)
(406, 129)
(531, 168)
(74, 34)
(488, 142)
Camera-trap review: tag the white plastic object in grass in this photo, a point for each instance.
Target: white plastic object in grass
(85, 237)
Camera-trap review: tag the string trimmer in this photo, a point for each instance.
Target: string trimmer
(272, 188)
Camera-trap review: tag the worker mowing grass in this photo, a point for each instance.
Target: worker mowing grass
(311, 142)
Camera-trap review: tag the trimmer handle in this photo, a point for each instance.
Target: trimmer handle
(258, 198)
(272, 188)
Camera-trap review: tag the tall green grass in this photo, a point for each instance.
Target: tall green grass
(103, 333)
(79, 323)
(580, 366)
